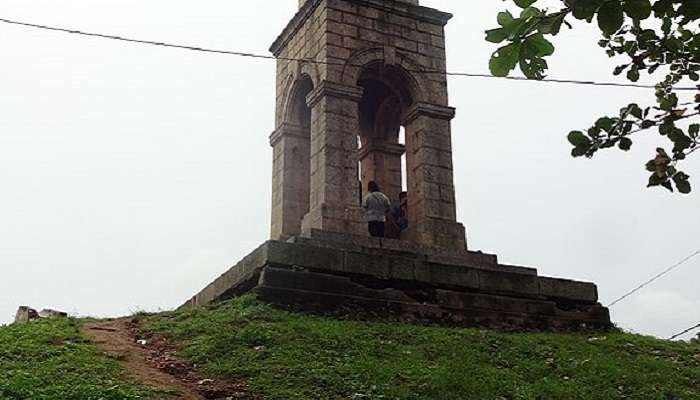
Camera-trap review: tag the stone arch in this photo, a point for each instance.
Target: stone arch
(296, 111)
(299, 71)
(294, 143)
(358, 62)
(390, 91)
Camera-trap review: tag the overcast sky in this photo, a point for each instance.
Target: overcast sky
(131, 176)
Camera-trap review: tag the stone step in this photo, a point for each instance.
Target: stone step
(392, 247)
(335, 294)
(382, 265)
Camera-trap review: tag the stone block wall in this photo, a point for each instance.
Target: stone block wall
(338, 277)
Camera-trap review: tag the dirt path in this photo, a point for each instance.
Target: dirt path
(152, 363)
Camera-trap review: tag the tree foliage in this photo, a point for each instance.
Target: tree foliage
(659, 36)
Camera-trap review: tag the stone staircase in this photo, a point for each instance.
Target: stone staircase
(342, 274)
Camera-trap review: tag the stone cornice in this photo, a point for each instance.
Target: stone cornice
(288, 130)
(420, 13)
(331, 89)
(394, 149)
(430, 110)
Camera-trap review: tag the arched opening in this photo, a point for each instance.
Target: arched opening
(388, 93)
(297, 165)
(298, 112)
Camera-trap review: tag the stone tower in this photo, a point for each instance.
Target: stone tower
(350, 75)
(367, 69)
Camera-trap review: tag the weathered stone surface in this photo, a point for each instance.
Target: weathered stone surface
(447, 275)
(237, 280)
(25, 314)
(325, 283)
(407, 285)
(52, 314)
(457, 300)
(568, 290)
(279, 253)
(364, 84)
(509, 283)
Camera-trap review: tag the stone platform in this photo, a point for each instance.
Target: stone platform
(343, 274)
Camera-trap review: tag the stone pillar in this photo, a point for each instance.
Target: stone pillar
(431, 193)
(381, 162)
(290, 179)
(334, 205)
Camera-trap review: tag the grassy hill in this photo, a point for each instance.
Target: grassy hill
(52, 360)
(294, 356)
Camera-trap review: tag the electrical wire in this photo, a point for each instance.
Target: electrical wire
(654, 278)
(684, 332)
(270, 57)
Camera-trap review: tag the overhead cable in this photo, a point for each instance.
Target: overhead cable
(313, 61)
(684, 332)
(655, 277)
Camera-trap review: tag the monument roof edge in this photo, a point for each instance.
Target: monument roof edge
(421, 13)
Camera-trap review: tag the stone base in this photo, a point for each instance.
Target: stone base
(341, 274)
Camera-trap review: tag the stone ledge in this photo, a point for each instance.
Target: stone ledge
(342, 295)
(342, 240)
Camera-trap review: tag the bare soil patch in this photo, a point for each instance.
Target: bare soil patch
(150, 360)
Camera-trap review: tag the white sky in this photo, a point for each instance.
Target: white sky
(131, 176)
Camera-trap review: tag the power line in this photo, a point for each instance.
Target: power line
(653, 279)
(270, 57)
(684, 332)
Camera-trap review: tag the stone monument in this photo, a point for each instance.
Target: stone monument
(351, 74)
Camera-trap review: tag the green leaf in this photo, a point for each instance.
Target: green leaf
(538, 46)
(605, 123)
(524, 3)
(504, 59)
(610, 17)
(682, 183)
(585, 9)
(496, 35)
(694, 130)
(625, 144)
(551, 24)
(690, 9)
(638, 9)
(684, 187)
(620, 69)
(633, 74)
(504, 18)
(579, 151)
(669, 102)
(651, 166)
(656, 180)
(662, 8)
(579, 139)
(634, 110)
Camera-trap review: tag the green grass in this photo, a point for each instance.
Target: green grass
(51, 360)
(294, 356)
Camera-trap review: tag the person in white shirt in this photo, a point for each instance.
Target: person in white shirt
(376, 204)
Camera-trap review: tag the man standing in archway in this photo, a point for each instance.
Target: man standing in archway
(377, 204)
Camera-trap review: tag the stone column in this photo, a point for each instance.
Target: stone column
(290, 179)
(431, 193)
(381, 162)
(335, 205)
